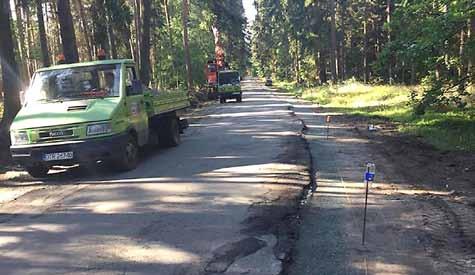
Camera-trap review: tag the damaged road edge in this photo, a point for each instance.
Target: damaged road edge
(306, 193)
(277, 214)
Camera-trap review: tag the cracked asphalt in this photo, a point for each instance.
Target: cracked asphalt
(219, 203)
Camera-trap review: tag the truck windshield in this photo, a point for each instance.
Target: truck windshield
(75, 83)
(229, 78)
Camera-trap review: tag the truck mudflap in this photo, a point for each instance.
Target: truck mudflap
(70, 152)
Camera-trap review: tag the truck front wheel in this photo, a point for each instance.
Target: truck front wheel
(37, 171)
(129, 156)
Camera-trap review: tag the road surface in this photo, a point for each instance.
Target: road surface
(216, 204)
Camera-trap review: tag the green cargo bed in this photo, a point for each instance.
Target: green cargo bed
(165, 101)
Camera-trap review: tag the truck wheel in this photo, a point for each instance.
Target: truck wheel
(129, 156)
(170, 132)
(37, 171)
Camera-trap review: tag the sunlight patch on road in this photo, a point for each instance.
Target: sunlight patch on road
(152, 253)
(177, 187)
(180, 199)
(378, 267)
(233, 200)
(251, 114)
(109, 207)
(210, 124)
(8, 240)
(8, 194)
(261, 133)
(132, 180)
(47, 227)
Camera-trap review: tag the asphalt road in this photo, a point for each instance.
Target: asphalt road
(213, 205)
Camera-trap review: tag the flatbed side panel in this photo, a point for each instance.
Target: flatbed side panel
(169, 101)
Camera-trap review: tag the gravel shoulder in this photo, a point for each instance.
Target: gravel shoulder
(420, 214)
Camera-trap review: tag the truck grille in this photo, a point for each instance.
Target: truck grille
(77, 108)
(55, 134)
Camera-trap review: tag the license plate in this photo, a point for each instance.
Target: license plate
(58, 156)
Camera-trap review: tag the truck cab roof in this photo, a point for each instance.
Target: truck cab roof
(90, 63)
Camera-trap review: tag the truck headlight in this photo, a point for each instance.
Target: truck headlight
(19, 138)
(99, 129)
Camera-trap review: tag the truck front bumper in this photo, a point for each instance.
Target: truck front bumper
(227, 95)
(84, 151)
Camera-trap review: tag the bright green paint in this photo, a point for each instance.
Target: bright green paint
(229, 88)
(36, 117)
(44, 114)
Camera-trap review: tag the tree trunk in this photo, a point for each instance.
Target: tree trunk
(21, 43)
(112, 44)
(297, 62)
(138, 28)
(365, 53)
(54, 34)
(322, 66)
(111, 36)
(471, 61)
(10, 76)
(413, 74)
(461, 67)
(68, 37)
(42, 33)
(333, 46)
(85, 28)
(342, 62)
(100, 27)
(29, 38)
(388, 20)
(167, 16)
(185, 45)
(145, 43)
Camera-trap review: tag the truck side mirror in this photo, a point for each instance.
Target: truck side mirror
(135, 89)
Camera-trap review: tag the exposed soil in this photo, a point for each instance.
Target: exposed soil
(420, 163)
(443, 184)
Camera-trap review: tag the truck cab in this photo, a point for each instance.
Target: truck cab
(229, 86)
(88, 112)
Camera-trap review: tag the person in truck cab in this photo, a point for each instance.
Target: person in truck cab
(109, 78)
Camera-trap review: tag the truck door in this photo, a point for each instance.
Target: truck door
(135, 105)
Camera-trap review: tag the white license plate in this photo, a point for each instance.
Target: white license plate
(58, 156)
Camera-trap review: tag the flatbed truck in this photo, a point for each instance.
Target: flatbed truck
(229, 86)
(88, 112)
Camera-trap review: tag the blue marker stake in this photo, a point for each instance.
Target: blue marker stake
(369, 177)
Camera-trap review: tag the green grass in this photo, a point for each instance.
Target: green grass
(449, 130)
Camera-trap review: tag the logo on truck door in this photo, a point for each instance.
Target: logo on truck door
(134, 109)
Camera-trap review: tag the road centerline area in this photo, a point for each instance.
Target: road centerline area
(234, 179)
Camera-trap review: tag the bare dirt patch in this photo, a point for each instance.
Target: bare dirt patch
(441, 182)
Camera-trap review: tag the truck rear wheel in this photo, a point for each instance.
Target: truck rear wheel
(37, 171)
(170, 132)
(128, 158)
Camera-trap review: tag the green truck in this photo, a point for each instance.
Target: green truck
(88, 112)
(229, 86)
